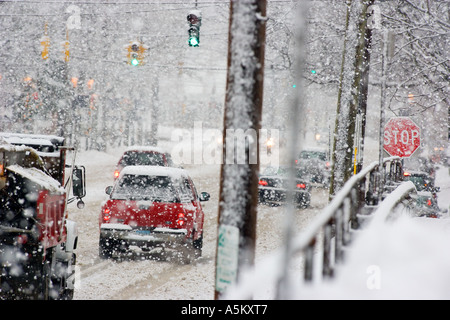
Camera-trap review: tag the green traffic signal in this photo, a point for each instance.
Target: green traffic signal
(193, 41)
(134, 62)
(194, 36)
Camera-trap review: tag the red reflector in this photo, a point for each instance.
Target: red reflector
(301, 185)
(116, 174)
(262, 183)
(22, 239)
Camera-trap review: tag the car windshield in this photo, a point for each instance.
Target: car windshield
(280, 171)
(135, 158)
(313, 155)
(143, 187)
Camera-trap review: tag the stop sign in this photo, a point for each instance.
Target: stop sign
(401, 137)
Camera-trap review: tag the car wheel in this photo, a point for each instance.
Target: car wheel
(106, 248)
(198, 245)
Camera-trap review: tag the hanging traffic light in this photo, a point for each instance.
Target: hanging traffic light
(194, 36)
(136, 53)
(45, 43)
(194, 18)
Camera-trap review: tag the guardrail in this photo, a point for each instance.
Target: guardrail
(333, 223)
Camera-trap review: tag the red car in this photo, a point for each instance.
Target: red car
(151, 206)
(143, 156)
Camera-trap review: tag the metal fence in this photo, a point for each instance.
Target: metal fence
(332, 226)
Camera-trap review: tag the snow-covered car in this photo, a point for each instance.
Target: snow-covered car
(426, 198)
(151, 206)
(273, 184)
(143, 156)
(314, 165)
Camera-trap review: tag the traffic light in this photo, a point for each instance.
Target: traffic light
(136, 53)
(45, 43)
(194, 36)
(194, 18)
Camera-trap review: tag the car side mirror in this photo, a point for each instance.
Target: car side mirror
(204, 196)
(108, 190)
(78, 182)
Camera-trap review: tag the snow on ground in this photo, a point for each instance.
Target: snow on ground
(408, 258)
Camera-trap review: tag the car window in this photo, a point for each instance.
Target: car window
(142, 159)
(419, 181)
(186, 193)
(143, 187)
(169, 160)
(282, 171)
(313, 155)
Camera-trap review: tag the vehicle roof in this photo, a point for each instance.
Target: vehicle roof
(416, 173)
(38, 177)
(146, 149)
(175, 173)
(316, 149)
(33, 138)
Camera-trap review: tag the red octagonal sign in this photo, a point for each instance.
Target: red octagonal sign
(401, 137)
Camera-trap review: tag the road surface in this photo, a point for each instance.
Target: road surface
(140, 275)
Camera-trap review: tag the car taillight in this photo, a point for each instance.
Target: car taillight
(116, 174)
(106, 214)
(262, 183)
(181, 220)
(406, 174)
(301, 185)
(22, 239)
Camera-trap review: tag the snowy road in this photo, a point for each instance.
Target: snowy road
(145, 275)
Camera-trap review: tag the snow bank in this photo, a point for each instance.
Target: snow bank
(405, 259)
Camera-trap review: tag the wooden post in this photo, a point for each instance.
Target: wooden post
(239, 172)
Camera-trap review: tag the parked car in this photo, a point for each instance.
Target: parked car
(426, 198)
(143, 155)
(315, 165)
(151, 206)
(274, 183)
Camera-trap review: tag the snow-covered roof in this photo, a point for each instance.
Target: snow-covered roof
(37, 176)
(175, 173)
(146, 148)
(36, 141)
(27, 137)
(317, 149)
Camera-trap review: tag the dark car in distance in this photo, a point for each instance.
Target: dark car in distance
(274, 183)
(426, 198)
(314, 165)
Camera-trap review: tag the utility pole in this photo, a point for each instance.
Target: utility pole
(239, 173)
